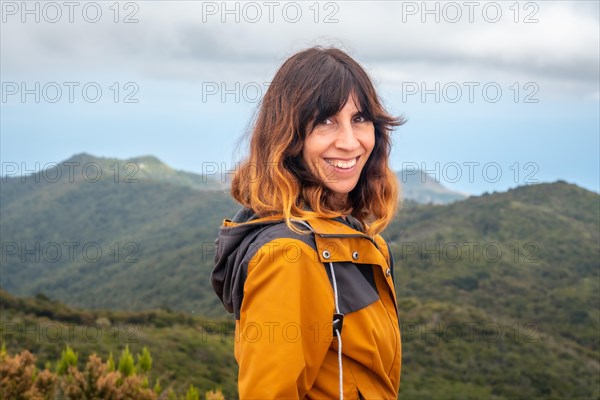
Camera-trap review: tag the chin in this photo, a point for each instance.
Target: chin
(342, 191)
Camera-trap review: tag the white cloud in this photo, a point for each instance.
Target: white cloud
(172, 42)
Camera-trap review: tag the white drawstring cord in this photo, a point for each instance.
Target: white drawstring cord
(335, 321)
(337, 332)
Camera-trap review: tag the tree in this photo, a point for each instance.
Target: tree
(68, 358)
(126, 365)
(192, 393)
(144, 360)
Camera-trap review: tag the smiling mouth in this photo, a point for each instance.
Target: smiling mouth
(342, 164)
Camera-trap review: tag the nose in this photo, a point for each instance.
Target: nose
(346, 138)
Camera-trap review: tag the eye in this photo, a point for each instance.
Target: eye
(360, 118)
(324, 121)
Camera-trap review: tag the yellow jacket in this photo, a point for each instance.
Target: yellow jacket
(280, 287)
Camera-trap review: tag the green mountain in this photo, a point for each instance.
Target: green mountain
(93, 225)
(498, 294)
(89, 168)
(94, 243)
(530, 254)
(418, 186)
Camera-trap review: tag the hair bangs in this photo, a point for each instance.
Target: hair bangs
(336, 85)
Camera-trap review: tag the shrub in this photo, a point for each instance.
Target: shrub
(20, 379)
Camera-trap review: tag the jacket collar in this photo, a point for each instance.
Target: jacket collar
(337, 227)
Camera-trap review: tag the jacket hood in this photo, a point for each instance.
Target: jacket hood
(232, 248)
(235, 246)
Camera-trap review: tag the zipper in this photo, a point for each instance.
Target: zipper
(348, 235)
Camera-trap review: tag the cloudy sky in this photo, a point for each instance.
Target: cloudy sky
(496, 94)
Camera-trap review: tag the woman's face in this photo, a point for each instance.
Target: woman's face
(338, 148)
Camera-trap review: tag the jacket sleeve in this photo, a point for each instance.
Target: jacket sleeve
(284, 330)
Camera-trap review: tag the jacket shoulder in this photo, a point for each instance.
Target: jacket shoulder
(274, 232)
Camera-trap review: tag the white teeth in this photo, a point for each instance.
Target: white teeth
(341, 164)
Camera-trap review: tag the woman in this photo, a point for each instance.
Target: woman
(302, 266)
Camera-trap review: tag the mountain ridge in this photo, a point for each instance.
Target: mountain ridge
(415, 185)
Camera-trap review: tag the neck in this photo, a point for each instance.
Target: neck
(340, 201)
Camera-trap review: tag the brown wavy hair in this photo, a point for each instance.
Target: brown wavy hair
(312, 85)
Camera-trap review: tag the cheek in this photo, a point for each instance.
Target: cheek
(308, 155)
(311, 150)
(372, 144)
(369, 142)
(306, 152)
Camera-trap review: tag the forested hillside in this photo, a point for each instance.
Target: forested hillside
(498, 294)
(449, 351)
